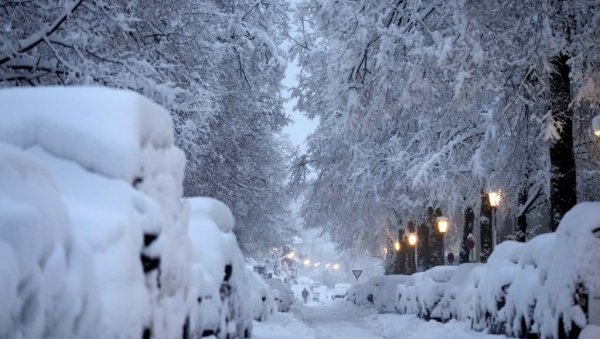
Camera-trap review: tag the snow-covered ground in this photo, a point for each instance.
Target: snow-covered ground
(341, 319)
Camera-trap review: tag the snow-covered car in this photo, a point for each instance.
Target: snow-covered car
(224, 304)
(261, 296)
(340, 291)
(111, 158)
(282, 294)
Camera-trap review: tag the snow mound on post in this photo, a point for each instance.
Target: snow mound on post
(47, 286)
(102, 129)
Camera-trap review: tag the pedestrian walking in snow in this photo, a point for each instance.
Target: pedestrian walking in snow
(305, 295)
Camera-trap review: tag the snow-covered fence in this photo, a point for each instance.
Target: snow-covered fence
(93, 232)
(535, 288)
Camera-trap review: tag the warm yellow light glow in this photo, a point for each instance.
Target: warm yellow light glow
(385, 250)
(597, 133)
(596, 125)
(397, 246)
(336, 266)
(494, 198)
(291, 255)
(412, 239)
(306, 262)
(442, 223)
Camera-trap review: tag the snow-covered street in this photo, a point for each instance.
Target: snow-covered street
(342, 319)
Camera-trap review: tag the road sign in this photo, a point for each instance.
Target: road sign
(357, 273)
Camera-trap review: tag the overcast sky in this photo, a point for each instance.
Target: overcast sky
(301, 126)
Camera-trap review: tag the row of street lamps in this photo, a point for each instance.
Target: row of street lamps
(494, 200)
(443, 222)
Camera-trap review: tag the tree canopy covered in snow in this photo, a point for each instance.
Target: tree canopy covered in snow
(215, 65)
(432, 103)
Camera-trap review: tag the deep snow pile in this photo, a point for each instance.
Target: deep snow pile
(111, 156)
(536, 287)
(47, 286)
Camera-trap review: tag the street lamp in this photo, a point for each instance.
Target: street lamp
(306, 262)
(442, 223)
(336, 266)
(397, 246)
(412, 241)
(317, 264)
(494, 202)
(290, 255)
(596, 125)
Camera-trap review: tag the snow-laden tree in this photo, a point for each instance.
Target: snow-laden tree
(429, 104)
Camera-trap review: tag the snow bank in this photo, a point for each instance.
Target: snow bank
(47, 286)
(535, 288)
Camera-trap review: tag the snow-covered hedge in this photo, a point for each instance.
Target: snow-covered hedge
(537, 287)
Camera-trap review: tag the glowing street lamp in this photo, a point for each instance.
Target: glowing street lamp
(596, 125)
(494, 202)
(317, 264)
(397, 246)
(336, 266)
(327, 265)
(306, 262)
(290, 255)
(442, 223)
(494, 198)
(412, 239)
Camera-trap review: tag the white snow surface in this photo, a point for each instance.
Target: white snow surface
(102, 129)
(343, 320)
(47, 285)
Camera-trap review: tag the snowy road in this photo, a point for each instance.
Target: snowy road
(341, 319)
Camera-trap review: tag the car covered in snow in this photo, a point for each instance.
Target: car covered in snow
(223, 306)
(340, 291)
(261, 297)
(282, 294)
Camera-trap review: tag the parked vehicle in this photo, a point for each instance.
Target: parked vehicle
(340, 291)
(282, 294)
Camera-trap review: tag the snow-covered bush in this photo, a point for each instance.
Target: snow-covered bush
(223, 305)
(112, 157)
(47, 285)
(539, 287)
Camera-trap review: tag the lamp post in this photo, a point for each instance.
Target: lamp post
(412, 241)
(596, 125)
(442, 224)
(494, 202)
(397, 247)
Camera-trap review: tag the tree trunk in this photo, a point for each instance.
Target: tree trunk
(401, 255)
(436, 241)
(423, 247)
(465, 253)
(486, 233)
(563, 181)
(521, 232)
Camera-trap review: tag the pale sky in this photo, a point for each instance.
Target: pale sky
(301, 126)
